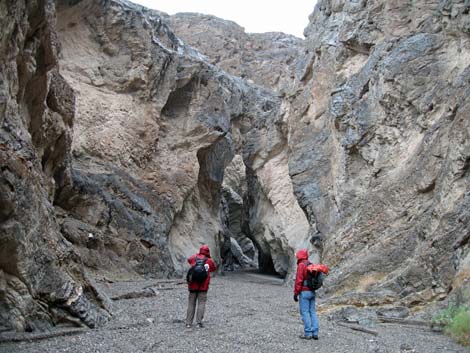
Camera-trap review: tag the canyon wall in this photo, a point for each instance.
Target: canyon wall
(157, 124)
(377, 131)
(130, 137)
(380, 147)
(262, 204)
(41, 278)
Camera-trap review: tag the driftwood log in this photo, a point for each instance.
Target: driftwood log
(393, 320)
(25, 337)
(357, 328)
(31, 337)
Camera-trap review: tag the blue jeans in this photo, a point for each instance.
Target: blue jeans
(308, 313)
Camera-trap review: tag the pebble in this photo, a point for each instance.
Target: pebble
(241, 316)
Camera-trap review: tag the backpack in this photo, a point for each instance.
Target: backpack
(315, 275)
(197, 273)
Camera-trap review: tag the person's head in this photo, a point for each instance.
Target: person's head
(204, 250)
(302, 254)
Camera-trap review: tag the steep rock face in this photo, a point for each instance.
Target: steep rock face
(239, 251)
(41, 279)
(370, 135)
(156, 126)
(354, 144)
(264, 209)
(379, 147)
(266, 59)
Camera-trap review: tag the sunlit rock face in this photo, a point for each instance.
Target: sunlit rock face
(41, 278)
(379, 147)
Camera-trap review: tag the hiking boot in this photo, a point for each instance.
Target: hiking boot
(200, 325)
(315, 337)
(305, 337)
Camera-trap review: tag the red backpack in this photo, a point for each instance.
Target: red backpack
(315, 275)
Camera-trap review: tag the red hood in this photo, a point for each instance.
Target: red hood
(204, 250)
(302, 255)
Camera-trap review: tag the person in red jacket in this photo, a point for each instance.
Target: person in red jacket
(198, 291)
(307, 297)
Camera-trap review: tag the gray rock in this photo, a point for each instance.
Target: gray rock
(371, 158)
(126, 152)
(43, 283)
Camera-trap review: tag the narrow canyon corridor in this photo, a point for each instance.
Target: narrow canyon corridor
(130, 137)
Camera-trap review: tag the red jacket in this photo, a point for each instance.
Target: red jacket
(301, 275)
(204, 252)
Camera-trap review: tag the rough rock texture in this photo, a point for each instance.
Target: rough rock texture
(377, 142)
(261, 317)
(266, 59)
(354, 143)
(380, 147)
(41, 279)
(237, 242)
(156, 126)
(262, 206)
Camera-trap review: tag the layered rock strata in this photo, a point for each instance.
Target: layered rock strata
(353, 143)
(376, 141)
(260, 198)
(379, 147)
(41, 277)
(157, 124)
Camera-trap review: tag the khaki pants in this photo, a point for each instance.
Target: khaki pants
(200, 298)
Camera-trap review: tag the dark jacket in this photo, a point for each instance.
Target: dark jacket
(204, 252)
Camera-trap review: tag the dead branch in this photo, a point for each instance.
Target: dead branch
(147, 293)
(21, 337)
(31, 337)
(392, 320)
(357, 328)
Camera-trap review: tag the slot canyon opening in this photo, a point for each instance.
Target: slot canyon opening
(243, 245)
(266, 265)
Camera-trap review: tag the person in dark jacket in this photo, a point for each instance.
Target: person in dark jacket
(198, 291)
(305, 297)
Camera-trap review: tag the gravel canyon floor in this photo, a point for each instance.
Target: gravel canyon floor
(246, 312)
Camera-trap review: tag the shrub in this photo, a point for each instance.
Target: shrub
(456, 322)
(459, 327)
